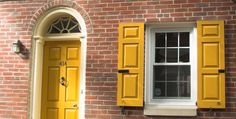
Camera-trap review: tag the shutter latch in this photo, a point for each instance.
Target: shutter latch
(221, 71)
(126, 71)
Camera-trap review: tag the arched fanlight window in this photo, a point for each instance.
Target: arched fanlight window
(64, 25)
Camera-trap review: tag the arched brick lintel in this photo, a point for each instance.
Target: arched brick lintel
(53, 4)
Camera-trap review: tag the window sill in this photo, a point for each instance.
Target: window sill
(172, 110)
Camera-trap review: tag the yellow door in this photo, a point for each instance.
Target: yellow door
(60, 80)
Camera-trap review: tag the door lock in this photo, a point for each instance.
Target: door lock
(74, 105)
(63, 81)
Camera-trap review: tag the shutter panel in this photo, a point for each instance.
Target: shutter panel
(130, 65)
(211, 64)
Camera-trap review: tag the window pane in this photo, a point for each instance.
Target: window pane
(64, 21)
(160, 55)
(54, 30)
(160, 39)
(171, 82)
(184, 73)
(172, 72)
(72, 23)
(184, 89)
(58, 24)
(172, 89)
(75, 29)
(64, 25)
(159, 90)
(159, 73)
(184, 39)
(184, 55)
(172, 39)
(172, 55)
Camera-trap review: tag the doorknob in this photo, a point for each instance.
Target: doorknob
(63, 81)
(74, 105)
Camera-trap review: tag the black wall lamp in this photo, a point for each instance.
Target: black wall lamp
(16, 47)
(19, 48)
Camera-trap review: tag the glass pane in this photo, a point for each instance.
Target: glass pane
(184, 39)
(172, 55)
(65, 31)
(184, 74)
(159, 73)
(64, 22)
(64, 25)
(72, 24)
(160, 55)
(171, 82)
(184, 55)
(58, 24)
(160, 39)
(159, 90)
(184, 89)
(75, 29)
(54, 30)
(172, 89)
(172, 73)
(172, 39)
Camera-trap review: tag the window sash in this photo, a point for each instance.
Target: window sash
(150, 62)
(162, 89)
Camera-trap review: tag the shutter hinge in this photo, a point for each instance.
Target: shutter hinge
(211, 111)
(123, 110)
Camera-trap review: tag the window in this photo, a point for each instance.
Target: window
(171, 67)
(181, 68)
(64, 25)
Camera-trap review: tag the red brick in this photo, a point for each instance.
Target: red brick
(177, 14)
(102, 17)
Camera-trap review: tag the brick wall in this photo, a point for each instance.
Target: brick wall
(14, 71)
(17, 19)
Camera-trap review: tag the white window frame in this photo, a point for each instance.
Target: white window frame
(163, 106)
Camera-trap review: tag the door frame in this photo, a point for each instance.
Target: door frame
(38, 40)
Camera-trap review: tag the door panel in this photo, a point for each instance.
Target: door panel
(72, 76)
(52, 113)
(72, 53)
(70, 114)
(53, 87)
(60, 80)
(55, 53)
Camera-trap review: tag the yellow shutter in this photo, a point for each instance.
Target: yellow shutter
(211, 64)
(130, 65)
